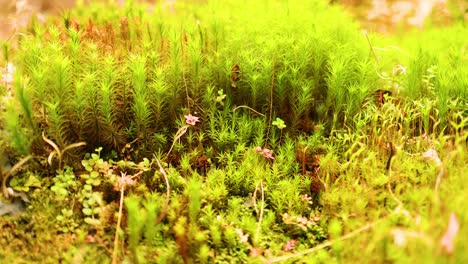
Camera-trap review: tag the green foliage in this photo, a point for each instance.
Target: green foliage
(65, 221)
(64, 184)
(309, 138)
(136, 222)
(14, 133)
(118, 107)
(279, 123)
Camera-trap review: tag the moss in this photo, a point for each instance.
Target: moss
(174, 108)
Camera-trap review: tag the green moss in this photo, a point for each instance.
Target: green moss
(182, 110)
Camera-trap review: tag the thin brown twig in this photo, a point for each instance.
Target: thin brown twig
(389, 169)
(251, 109)
(440, 174)
(400, 204)
(254, 198)
(186, 91)
(260, 219)
(178, 135)
(168, 192)
(6, 175)
(439, 179)
(324, 245)
(372, 50)
(119, 220)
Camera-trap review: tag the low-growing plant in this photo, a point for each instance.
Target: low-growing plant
(211, 141)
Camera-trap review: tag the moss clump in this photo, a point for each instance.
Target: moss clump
(214, 141)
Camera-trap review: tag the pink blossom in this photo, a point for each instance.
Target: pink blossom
(290, 245)
(124, 181)
(265, 153)
(259, 150)
(447, 241)
(306, 198)
(90, 239)
(191, 120)
(431, 154)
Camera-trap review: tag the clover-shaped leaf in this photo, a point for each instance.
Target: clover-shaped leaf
(221, 96)
(87, 211)
(279, 123)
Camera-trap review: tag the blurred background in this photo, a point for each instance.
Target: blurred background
(380, 15)
(17, 13)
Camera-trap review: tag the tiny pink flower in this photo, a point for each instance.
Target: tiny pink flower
(124, 181)
(302, 220)
(290, 245)
(191, 120)
(90, 239)
(431, 154)
(306, 199)
(265, 153)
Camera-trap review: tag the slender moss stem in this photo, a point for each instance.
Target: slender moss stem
(118, 229)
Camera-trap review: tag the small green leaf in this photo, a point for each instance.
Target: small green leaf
(92, 221)
(21, 188)
(221, 96)
(59, 191)
(94, 174)
(33, 181)
(144, 164)
(279, 123)
(100, 162)
(67, 212)
(91, 201)
(96, 182)
(87, 211)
